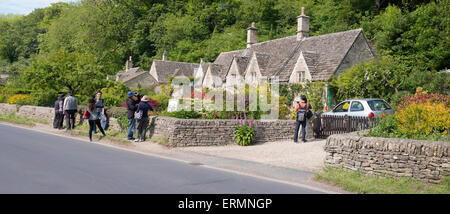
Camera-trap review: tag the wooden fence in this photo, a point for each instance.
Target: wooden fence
(326, 125)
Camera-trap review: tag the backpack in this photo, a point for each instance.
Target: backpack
(301, 113)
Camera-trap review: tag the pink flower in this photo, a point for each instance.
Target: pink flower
(251, 122)
(215, 115)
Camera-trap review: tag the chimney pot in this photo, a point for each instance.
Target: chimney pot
(128, 64)
(164, 56)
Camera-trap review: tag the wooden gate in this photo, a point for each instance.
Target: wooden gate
(326, 125)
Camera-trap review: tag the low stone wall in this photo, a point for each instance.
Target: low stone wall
(192, 132)
(183, 132)
(423, 160)
(7, 109)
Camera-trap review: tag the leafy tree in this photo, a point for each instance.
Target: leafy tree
(63, 71)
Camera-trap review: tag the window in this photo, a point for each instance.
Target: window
(343, 107)
(356, 106)
(378, 105)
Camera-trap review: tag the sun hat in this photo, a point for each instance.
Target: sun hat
(145, 99)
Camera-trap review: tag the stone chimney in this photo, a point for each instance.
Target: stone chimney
(252, 36)
(164, 56)
(128, 64)
(302, 25)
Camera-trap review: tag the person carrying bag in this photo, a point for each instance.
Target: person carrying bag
(303, 113)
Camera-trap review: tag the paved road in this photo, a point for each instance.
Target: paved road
(35, 162)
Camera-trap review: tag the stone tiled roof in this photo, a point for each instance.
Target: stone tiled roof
(263, 62)
(135, 75)
(165, 69)
(312, 60)
(219, 70)
(325, 52)
(225, 58)
(331, 49)
(124, 74)
(242, 63)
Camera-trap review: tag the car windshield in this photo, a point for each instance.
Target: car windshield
(378, 105)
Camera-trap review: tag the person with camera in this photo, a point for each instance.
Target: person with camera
(132, 105)
(303, 112)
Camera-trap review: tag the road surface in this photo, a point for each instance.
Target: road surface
(36, 162)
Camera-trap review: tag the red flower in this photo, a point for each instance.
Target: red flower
(215, 115)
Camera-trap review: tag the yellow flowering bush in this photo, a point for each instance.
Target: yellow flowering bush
(21, 99)
(423, 118)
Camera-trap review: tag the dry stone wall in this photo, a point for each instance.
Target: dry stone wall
(192, 132)
(420, 159)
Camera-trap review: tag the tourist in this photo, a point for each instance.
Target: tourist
(70, 108)
(59, 114)
(303, 112)
(142, 118)
(94, 120)
(132, 103)
(100, 108)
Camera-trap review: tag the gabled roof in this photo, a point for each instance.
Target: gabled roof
(325, 52)
(164, 69)
(332, 49)
(225, 58)
(242, 63)
(218, 70)
(123, 74)
(263, 62)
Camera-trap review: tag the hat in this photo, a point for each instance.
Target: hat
(145, 99)
(130, 93)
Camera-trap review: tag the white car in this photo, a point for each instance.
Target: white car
(361, 107)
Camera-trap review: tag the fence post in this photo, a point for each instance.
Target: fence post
(348, 125)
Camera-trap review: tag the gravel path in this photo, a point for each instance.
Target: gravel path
(307, 156)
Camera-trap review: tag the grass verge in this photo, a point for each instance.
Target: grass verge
(13, 118)
(358, 182)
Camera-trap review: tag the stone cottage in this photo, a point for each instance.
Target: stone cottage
(297, 58)
(293, 59)
(134, 77)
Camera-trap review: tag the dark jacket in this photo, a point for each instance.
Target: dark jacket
(132, 107)
(145, 107)
(59, 104)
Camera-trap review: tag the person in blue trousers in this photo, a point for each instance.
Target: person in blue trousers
(132, 104)
(100, 110)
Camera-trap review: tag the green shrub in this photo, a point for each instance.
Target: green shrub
(244, 135)
(2, 99)
(115, 93)
(123, 122)
(185, 114)
(163, 101)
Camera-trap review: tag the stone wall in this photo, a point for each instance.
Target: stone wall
(420, 159)
(192, 132)
(183, 132)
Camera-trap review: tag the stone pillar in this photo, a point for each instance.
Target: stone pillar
(252, 36)
(302, 25)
